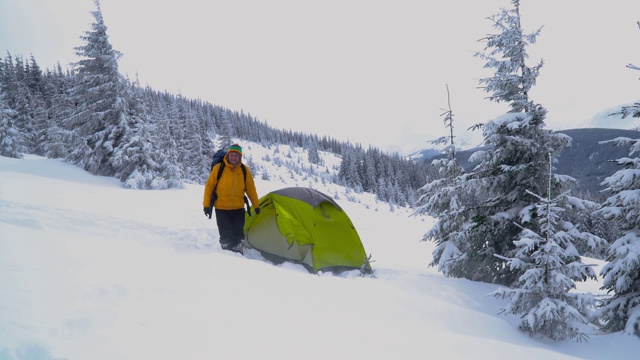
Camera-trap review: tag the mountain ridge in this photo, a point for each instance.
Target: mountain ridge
(586, 159)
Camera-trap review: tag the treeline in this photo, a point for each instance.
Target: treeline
(110, 125)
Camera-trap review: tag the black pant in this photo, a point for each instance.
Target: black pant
(230, 226)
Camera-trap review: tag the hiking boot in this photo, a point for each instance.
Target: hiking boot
(237, 248)
(232, 247)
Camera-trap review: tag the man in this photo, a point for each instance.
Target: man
(228, 189)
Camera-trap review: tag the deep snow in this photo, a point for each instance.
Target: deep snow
(90, 270)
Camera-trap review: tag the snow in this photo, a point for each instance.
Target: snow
(91, 270)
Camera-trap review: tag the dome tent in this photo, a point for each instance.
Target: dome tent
(306, 226)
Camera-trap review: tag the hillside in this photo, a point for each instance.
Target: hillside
(91, 270)
(591, 162)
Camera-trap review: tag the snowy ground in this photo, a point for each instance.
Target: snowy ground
(90, 270)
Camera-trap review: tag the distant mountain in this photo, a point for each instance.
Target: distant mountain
(590, 162)
(607, 119)
(585, 160)
(423, 154)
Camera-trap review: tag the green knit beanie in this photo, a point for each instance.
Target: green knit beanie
(235, 148)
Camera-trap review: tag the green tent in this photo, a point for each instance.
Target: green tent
(306, 226)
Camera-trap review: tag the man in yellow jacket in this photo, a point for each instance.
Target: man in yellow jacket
(229, 198)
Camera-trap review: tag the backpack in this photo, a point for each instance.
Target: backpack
(218, 158)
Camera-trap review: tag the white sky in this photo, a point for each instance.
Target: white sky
(90, 270)
(373, 72)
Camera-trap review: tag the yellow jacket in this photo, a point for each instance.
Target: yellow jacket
(231, 187)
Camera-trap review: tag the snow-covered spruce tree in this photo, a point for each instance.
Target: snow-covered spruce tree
(621, 311)
(133, 161)
(314, 155)
(33, 108)
(58, 86)
(495, 192)
(21, 104)
(226, 132)
(204, 137)
(195, 165)
(11, 141)
(440, 199)
(171, 175)
(369, 183)
(349, 170)
(9, 81)
(99, 117)
(178, 129)
(551, 266)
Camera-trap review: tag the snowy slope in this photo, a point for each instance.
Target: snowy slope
(90, 270)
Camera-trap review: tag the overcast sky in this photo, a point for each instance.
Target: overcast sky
(372, 72)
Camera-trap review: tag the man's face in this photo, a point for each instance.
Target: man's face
(234, 158)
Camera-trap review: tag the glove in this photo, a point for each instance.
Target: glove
(257, 210)
(208, 211)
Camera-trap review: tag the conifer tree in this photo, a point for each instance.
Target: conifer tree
(40, 120)
(171, 175)
(14, 126)
(11, 141)
(349, 169)
(440, 200)
(494, 195)
(24, 115)
(133, 161)
(621, 311)
(313, 155)
(369, 171)
(383, 192)
(551, 263)
(9, 82)
(225, 133)
(58, 143)
(194, 163)
(99, 118)
(205, 141)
